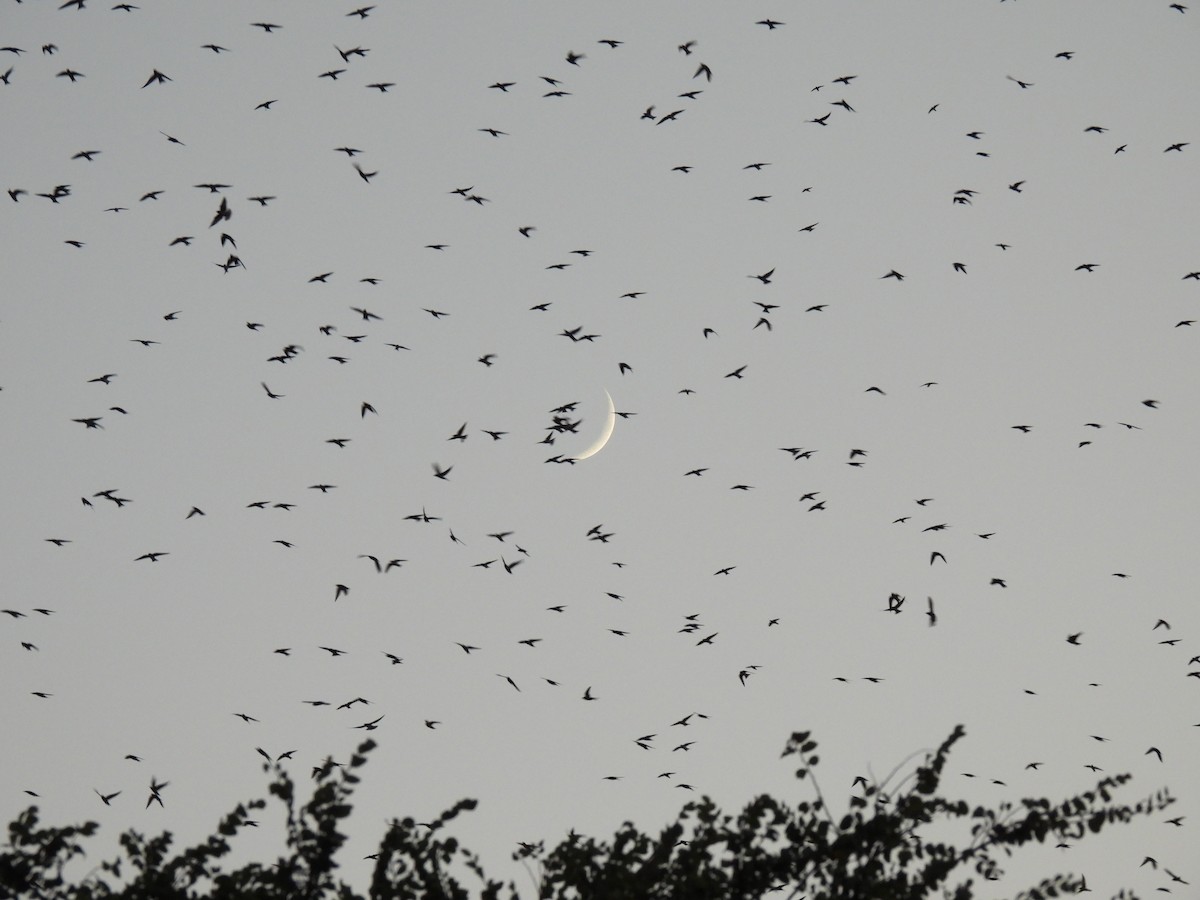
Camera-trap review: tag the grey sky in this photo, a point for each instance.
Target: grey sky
(155, 659)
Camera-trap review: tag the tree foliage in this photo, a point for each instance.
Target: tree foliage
(877, 849)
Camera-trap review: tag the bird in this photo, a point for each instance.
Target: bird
(157, 77)
(155, 788)
(509, 680)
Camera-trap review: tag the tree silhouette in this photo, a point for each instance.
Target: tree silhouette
(874, 851)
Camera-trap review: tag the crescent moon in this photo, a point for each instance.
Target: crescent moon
(609, 424)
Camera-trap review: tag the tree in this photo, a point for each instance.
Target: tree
(874, 851)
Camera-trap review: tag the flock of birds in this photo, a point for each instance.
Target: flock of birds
(317, 435)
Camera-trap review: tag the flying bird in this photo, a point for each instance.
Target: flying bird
(157, 77)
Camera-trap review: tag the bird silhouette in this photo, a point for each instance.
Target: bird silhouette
(157, 77)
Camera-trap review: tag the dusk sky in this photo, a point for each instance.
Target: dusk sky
(891, 297)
